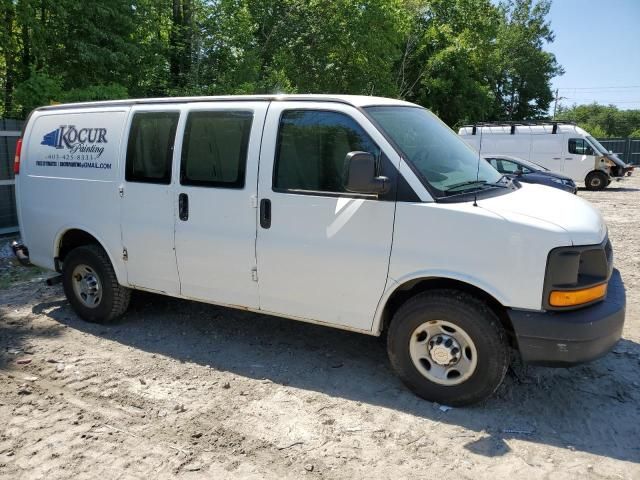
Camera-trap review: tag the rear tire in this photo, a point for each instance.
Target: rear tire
(91, 286)
(596, 181)
(448, 347)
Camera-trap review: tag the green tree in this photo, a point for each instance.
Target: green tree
(38, 89)
(303, 46)
(444, 59)
(8, 50)
(523, 68)
(602, 120)
(468, 60)
(66, 44)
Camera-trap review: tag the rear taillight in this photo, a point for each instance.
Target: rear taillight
(16, 159)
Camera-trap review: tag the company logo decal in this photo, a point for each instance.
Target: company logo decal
(83, 146)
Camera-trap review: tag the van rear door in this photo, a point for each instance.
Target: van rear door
(215, 197)
(323, 253)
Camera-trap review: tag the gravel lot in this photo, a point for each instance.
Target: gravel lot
(197, 391)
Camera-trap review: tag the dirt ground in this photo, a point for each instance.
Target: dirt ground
(196, 391)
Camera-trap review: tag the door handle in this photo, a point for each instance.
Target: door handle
(183, 207)
(557, 158)
(265, 213)
(568, 158)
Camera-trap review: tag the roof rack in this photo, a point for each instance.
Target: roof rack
(521, 123)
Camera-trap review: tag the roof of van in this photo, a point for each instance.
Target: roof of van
(355, 100)
(523, 129)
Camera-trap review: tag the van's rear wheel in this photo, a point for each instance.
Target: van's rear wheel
(448, 347)
(91, 286)
(596, 181)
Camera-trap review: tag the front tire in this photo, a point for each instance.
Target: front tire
(596, 181)
(448, 347)
(91, 286)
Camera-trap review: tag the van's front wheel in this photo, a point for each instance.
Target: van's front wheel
(596, 181)
(448, 347)
(91, 286)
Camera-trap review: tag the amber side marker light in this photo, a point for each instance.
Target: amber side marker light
(570, 298)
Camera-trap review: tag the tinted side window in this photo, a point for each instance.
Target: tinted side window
(311, 149)
(508, 167)
(150, 147)
(579, 146)
(214, 150)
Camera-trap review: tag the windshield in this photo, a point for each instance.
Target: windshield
(442, 158)
(597, 145)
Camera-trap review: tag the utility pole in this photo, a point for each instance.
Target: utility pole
(555, 104)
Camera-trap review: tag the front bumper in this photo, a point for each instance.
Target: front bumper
(561, 339)
(620, 172)
(571, 189)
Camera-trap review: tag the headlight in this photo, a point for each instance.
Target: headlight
(577, 276)
(563, 181)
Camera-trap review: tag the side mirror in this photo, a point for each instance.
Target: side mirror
(519, 172)
(359, 174)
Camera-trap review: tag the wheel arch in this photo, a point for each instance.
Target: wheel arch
(71, 237)
(404, 290)
(599, 172)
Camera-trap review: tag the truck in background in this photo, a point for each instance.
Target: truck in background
(561, 147)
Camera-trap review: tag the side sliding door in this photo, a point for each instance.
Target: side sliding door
(215, 199)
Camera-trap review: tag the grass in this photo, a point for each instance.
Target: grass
(12, 274)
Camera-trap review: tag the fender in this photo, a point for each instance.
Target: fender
(393, 285)
(118, 264)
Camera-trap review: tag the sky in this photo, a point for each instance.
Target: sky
(598, 44)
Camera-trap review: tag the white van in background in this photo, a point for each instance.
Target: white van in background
(560, 147)
(361, 213)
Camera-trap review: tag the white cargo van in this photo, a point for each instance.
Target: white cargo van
(361, 213)
(560, 147)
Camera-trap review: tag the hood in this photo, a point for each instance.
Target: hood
(615, 159)
(582, 222)
(545, 173)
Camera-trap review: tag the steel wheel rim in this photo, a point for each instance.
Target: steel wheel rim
(86, 285)
(443, 352)
(596, 181)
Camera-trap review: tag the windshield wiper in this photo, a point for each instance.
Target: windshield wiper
(503, 177)
(464, 184)
(479, 184)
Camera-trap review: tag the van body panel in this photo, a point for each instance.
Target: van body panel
(147, 221)
(66, 183)
(547, 151)
(567, 212)
(576, 166)
(324, 257)
(215, 246)
(474, 245)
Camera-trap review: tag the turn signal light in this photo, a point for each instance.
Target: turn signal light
(16, 159)
(570, 298)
